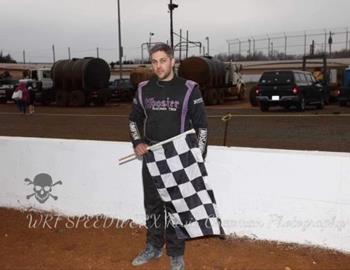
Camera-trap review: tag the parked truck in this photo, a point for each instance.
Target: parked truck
(216, 79)
(80, 82)
(41, 82)
(344, 91)
(330, 77)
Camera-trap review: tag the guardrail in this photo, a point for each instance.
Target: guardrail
(291, 196)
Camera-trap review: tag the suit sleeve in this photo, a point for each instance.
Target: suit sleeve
(136, 121)
(198, 117)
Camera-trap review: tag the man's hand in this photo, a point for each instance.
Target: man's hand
(141, 149)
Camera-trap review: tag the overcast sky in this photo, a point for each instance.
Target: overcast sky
(83, 25)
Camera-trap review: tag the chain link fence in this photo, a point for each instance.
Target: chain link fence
(291, 43)
(273, 46)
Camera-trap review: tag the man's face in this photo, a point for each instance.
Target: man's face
(163, 65)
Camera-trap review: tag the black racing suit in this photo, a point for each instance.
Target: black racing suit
(162, 110)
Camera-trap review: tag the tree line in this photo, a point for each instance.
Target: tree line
(258, 56)
(6, 58)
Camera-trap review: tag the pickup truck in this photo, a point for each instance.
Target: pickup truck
(344, 96)
(288, 88)
(344, 92)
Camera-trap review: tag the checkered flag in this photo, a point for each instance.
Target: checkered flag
(178, 171)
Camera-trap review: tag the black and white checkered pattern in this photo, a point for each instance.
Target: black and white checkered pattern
(178, 170)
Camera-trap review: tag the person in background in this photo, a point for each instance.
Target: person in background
(31, 98)
(23, 102)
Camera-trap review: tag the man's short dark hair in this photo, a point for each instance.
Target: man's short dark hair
(162, 47)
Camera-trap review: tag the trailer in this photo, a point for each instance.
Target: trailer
(80, 82)
(216, 79)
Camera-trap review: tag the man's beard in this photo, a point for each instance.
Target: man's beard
(165, 76)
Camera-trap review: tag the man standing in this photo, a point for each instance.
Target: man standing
(164, 107)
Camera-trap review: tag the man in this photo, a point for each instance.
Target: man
(164, 107)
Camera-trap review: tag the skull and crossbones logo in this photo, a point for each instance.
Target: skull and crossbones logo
(42, 187)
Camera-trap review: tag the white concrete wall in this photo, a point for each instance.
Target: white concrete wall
(292, 196)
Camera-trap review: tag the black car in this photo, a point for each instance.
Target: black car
(289, 88)
(7, 86)
(122, 89)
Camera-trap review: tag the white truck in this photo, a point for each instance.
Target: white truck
(41, 81)
(235, 80)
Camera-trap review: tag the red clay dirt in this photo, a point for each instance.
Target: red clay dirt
(69, 246)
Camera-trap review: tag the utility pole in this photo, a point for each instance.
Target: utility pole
(249, 47)
(150, 45)
(53, 54)
(146, 45)
(239, 48)
(98, 52)
(330, 42)
(207, 38)
(120, 44)
(305, 41)
(347, 39)
(69, 56)
(312, 48)
(171, 7)
(142, 53)
(325, 41)
(272, 49)
(186, 44)
(180, 50)
(285, 45)
(150, 40)
(24, 56)
(253, 46)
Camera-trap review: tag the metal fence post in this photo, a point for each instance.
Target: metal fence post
(226, 119)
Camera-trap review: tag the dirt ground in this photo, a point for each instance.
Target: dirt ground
(323, 130)
(60, 247)
(72, 247)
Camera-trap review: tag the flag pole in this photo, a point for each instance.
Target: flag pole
(155, 146)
